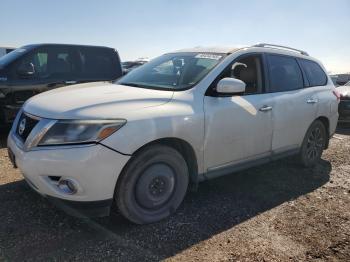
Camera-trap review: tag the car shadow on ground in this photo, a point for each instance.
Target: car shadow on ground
(32, 228)
(3, 140)
(4, 131)
(343, 129)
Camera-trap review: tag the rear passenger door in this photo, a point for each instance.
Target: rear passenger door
(295, 105)
(318, 81)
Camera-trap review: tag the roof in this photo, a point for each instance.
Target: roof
(214, 49)
(271, 48)
(30, 46)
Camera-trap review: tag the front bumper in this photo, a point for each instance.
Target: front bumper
(94, 168)
(344, 111)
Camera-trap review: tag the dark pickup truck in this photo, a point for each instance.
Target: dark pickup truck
(37, 68)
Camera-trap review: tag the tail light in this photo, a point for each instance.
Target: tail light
(337, 95)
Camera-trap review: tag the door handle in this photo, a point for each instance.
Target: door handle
(70, 82)
(312, 101)
(265, 108)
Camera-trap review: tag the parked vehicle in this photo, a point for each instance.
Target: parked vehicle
(340, 79)
(344, 105)
(184, 117)
(334, 79)
(5, 50)
(33, 69)
(131, 65)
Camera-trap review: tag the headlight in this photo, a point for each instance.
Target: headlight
(80, 131)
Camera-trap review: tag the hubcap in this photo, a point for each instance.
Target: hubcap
(155, 186)
(314, 144)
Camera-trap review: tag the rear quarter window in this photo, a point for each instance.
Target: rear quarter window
(314, 73)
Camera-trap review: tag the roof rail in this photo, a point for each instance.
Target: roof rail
(281, 47)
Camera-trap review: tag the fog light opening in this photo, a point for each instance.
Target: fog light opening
(67, 186)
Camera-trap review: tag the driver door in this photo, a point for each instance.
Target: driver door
(238, 129)
(26, 86)
(52, 67)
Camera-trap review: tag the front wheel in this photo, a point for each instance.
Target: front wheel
(313, 144)
(153, 185)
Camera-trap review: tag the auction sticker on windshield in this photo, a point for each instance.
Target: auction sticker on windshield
(209, 56)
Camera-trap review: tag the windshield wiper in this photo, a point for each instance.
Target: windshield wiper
(130, 84)
(136, 85)
(163, 88)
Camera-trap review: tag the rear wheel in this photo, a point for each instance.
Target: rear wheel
(153, 185)
(313, 145)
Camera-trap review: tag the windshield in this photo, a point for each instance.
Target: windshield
(172, 71)
(8, 58)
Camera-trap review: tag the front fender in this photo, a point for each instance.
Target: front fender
(176, 119)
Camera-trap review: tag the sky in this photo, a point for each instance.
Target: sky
(149, 28)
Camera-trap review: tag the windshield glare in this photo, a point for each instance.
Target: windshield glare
(172, 71)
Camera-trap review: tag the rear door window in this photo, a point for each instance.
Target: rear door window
(285, 74)
(99, 64)
(314, 73)
(62, 64)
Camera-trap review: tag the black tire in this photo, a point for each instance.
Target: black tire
(314, 143)
(152, 185)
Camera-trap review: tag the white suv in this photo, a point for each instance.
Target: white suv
(182, 118)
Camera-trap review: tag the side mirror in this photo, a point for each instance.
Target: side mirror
(230, 86)
(26, 70)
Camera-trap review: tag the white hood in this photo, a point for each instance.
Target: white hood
(99, 100)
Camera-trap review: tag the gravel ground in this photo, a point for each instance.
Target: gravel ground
(275, 212)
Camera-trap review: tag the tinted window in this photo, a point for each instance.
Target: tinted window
(61, 63)
(39, 61)
(99, 64)
(285, 74)
(314, 73)
(53, 63)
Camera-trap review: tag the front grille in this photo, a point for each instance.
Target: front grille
(25, 126)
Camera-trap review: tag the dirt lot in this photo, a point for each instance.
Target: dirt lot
(275, 212)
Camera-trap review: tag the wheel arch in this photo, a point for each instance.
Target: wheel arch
(325, 122)
(184, 148)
